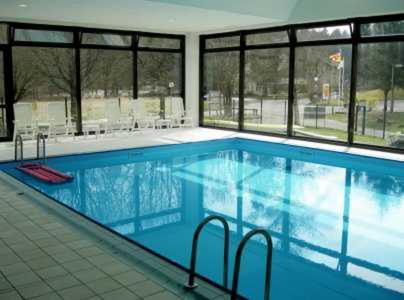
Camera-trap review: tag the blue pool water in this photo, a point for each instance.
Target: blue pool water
(337, 220)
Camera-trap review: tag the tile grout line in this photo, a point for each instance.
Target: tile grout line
(113, 249)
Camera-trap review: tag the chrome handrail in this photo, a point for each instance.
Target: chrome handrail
(239, 252)
(191, 279)
(18, 141)
(40, 137)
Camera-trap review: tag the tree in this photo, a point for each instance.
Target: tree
(377, 60)
(43, 72)
(266, 69)
(24, 76)
(107, 70)
(156, 71)
(222, 73)
(56, 68)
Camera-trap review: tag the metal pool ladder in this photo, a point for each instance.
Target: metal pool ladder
(257, 231)
(191, 279)
(246, 238)
(18, 142)
(40, 137)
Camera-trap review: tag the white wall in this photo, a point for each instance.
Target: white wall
(192, 75)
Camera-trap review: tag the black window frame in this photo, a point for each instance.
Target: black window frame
(77, 45)
(84, 45)
(354, 40)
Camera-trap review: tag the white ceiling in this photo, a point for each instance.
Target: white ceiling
(189, 15)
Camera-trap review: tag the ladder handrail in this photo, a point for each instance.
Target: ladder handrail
(40, 137)
(18, 140)
(191, 279)
(239, 252)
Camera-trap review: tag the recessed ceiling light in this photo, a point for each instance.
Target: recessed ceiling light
(22, 5)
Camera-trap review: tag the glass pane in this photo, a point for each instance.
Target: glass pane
(155, 73)
(267, 38)
(266, 90)
(324, 33)
(31, 35)
(322, 84)
(221, 89)
(3, 34)
(106, 39)
(380, 95)
(105, 74)
(230, 41)
(43, 75)
(165, 43)
(384, 28)
(3, 122)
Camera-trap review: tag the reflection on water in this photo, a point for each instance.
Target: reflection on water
(338, 232)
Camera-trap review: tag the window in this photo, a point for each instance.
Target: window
(107, 39)
(379, 114)
(159, 76)
(230, 41)
(43, 75)
(3, 121)
(164, 43)
(322, 82)
(324, 33)
(105, 74)
(3, 34)
(267, 38)
(221, 89)
(46, 36)
(382, 28)
(266, 90)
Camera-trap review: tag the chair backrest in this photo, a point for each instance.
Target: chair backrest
(178, 106)
(138, 108)
(23, 113)
(112, 110)
(169, 108)
(57, 112)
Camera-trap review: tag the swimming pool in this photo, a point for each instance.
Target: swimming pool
(336, 219)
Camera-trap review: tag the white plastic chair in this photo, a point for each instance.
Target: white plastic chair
(60, 122)
(141, 117)
(115, 120)
(174, 107)
(24, 123)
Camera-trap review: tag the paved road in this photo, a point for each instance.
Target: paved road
(275, 112)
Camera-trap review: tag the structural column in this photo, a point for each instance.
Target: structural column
(192, 76)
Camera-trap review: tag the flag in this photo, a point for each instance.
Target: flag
(336, 58)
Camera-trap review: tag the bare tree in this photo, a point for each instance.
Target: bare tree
(222, 75)
(156, 71)
(23, 74)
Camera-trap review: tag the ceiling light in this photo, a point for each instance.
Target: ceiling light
(22, 5)
(171, 20)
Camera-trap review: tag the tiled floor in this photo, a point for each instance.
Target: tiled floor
(49, 252)
(55, 254)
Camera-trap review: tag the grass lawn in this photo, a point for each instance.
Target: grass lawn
(372, 96)
(316, 132)
(343, 136)
(394, 121)
(374, 120)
